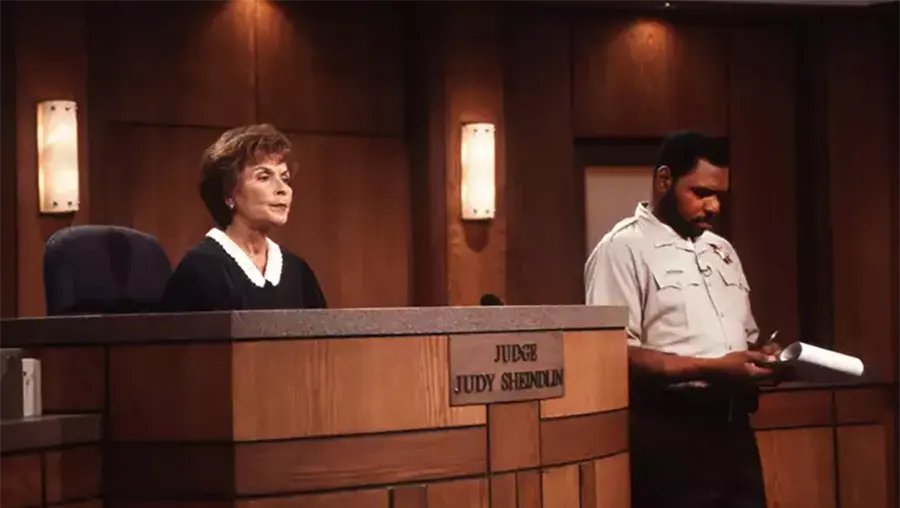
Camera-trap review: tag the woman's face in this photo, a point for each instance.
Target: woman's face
(262, 195)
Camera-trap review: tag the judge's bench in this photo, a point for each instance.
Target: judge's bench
(383, 408)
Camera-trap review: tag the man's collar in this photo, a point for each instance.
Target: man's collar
(663, 234)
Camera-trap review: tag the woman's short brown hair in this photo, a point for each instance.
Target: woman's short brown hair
(224, 160)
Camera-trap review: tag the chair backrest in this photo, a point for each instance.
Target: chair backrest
(104, 270)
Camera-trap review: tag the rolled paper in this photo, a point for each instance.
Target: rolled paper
(799, 352)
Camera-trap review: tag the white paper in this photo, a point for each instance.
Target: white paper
(831, 360)
(31, 387)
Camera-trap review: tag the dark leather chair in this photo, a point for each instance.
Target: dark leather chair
(104, 270)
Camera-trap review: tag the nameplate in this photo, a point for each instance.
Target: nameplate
(505, 367)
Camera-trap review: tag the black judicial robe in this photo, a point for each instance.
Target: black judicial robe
(209, 279)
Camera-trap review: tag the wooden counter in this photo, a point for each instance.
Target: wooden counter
(339, 408)
(51, 461)
(829, 446)
(349, 408)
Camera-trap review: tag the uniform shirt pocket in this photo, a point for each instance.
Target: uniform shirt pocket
(736, 295)
(674, 288)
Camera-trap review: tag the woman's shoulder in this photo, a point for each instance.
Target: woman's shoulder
(293, 260)
(204, 253)
(298, 272)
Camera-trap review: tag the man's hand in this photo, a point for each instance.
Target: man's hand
(744, 364)
(737, 365)
(770, 349)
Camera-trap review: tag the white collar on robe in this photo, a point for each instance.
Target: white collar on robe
(273, 261)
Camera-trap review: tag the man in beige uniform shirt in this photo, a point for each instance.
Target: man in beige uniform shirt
(690, 332)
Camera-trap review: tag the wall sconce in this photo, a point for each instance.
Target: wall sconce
(478, 182)
(57, 146)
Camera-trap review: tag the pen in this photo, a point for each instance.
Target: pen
(770, 340)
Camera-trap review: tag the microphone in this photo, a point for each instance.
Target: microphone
(490, 299)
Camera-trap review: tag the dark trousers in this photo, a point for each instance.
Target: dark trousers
(694, 448)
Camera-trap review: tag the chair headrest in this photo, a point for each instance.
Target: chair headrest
(103, 269)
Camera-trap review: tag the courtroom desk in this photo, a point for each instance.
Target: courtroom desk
(51, 461)
(828, 445)
(338, 408)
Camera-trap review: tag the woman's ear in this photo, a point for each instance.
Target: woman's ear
(662, 179)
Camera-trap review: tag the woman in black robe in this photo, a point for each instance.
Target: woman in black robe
(245, 184)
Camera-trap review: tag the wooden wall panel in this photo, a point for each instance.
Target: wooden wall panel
(326, 67)
(409, 496)
(528, 489)
(584, 437)
(469, 493)
(351, 224)
(602, 385)
(277, 467)
(859, 124)
(459, 67)
(514, 435)
(763, 187)
(8, 190)
(611, 483)
(194, 67)
(356, 499)
(545, 232)
(864, 405)
(304, 67)
(893, 136)
(22, 481)
(154, 172)
(167, 409)
(73, 379)
(62, 476)
(856, 436)
(51, 63)
(560, 487)
(862, 466)
(367, 384)
(645, 77)
(798, 466)
(476, 251)
(73, 473)
(426, 146)
(794, 409)
(813, 202)
(351, 218)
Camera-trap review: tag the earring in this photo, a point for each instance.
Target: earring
(230, 204)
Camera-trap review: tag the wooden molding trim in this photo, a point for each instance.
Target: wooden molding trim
(579, 438)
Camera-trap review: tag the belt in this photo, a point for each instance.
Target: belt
(701, 404)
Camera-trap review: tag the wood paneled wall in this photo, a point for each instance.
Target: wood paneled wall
(8, 191)
(801, 163)
(67, 476)
(152, 100)
(862, 156)
(50, 60)
(636, 77)
(634, 80)
(544, 195)
(764, 184)
(459, 73)
(331, 76)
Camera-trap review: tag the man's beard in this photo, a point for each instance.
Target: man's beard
(667, 211)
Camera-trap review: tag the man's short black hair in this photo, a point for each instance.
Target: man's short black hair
(681, 151)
